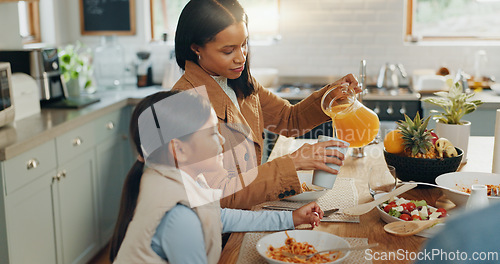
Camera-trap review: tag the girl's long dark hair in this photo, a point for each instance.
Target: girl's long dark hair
(198, 24)
(188, 110)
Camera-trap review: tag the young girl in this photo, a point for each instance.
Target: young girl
(211, 46)
(167, 212)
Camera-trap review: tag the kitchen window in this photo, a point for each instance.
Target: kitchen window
(451, 20)
(263, 17)
(29, 21)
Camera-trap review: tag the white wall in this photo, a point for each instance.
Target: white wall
(9, 26)
(320, 37)
(330, 37)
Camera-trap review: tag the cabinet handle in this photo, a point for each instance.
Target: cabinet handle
(63, 173)
(77, 141)
(110, 125)
(32, 164)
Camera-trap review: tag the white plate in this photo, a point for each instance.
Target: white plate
(320, 241)
(307, 196)
(429, 232)
(457, 180)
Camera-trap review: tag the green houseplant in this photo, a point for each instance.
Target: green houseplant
(76, 68)
(455, 104)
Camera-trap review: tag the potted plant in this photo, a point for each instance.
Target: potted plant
(76, 69)
(455, 104)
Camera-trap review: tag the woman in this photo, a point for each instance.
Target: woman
(211, 46)
(167, 212)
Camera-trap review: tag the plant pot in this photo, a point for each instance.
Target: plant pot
(73, 87)
(457, 134)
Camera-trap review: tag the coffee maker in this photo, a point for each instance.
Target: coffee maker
(43, 65)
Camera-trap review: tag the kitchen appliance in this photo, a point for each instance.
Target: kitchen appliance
(6, 103)
(390, 74)
(43, 65)
(144, 71)
(25, 95)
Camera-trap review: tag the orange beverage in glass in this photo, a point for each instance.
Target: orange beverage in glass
(352, 121)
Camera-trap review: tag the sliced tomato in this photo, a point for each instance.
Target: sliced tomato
(442, 211)
(410, 206)
(405, 217)
(393, 203)
(388, 208)
(416, 217)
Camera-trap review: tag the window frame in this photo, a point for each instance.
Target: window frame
(33, 15)
(409, 37)
(154, 38)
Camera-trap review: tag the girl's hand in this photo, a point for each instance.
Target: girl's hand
(315, 156)
(308, 214)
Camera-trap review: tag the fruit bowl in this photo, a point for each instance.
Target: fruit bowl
(422, 170)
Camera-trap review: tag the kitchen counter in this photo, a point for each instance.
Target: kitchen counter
(24, 134)
(489, 98)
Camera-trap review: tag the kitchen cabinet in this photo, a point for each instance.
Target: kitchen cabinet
(30, 222)
(482, 120)
(60, 200)
(114, 159)
(27, 201)
(75, 210)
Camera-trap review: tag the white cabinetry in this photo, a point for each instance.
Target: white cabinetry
(114, 159)
(59, 201)
(74, 196)
(29, 219)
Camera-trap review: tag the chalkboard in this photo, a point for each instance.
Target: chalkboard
(107, 17)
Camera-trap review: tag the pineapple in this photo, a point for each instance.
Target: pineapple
(417, 140)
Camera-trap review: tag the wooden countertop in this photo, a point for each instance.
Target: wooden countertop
(29, 132)
(370, 226)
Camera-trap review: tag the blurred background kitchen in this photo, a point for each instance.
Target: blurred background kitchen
(78, 67)
(296, 46)
(304, 43)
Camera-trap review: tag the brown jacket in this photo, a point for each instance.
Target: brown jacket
(246, 182)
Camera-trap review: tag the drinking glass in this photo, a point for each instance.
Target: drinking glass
(381, 179)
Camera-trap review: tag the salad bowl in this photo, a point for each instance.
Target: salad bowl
(429, 232)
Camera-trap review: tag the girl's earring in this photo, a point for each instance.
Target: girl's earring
(199, 57)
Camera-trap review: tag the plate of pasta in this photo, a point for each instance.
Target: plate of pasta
(301, 242)
(310, 192)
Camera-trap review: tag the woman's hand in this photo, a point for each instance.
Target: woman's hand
(350, 80)
(308, 214)
(315, 156)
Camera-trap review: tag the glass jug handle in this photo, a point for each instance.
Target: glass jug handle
(325, 95)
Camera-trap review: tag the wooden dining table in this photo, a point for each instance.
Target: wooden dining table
(479, 159)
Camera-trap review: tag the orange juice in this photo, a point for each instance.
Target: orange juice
(354, 123)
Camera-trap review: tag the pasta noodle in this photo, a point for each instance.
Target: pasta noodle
(305, 188)
(292, 246)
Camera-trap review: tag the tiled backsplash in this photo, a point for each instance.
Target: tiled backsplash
(330, 37)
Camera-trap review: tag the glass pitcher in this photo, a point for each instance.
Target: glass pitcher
(352, 121)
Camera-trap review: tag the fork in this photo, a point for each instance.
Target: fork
(306, 257)
(284, 208)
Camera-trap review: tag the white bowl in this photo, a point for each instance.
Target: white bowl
(460, 180)
(429, 232)
(320, 241)
(495, 88)
(306, 177)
